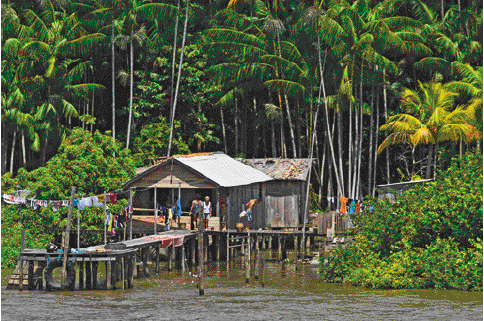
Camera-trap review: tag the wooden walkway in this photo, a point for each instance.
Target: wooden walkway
(122, 260)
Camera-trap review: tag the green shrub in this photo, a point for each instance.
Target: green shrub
(431, 237)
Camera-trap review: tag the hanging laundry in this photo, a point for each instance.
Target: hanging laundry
(352, 208)
(76, 202)
(177, 210)
(170, 213)
(65, 203)
(55, 206)
(130, 210)
(108, 219)
(343, 200)
(96, 201)
(35, 205)
(45, 203)
(358, 207)
(85, 202)
(113, 198)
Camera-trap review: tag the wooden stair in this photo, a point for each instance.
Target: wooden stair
(14, 281)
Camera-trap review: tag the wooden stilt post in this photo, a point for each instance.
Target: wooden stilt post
(182, 257)
(122, 272)
(257, 259)
(105, 218)
(88, 275)
(263, 262)
(94, 275)
(296, 252)
(279, 248)
(114, 271)
(157, 251)
(81, 275)
(78, 226)
(284, 249)
(130, 270)
(169, 251)
(68, 232)
(126, 272)
(156, 215)
(308, 245)
(130, 203)
(108, 275)
(228, 248)
(201, 260)
(30, 278)
(263, 242)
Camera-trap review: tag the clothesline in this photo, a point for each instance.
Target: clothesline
(84, 202)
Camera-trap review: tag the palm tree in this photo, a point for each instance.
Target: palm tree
(430, 118)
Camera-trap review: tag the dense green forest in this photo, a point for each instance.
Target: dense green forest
(430, 238)
(392, 90)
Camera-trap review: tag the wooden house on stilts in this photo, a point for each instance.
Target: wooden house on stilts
(279, 183)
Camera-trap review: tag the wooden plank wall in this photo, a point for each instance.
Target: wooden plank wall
(238, 197)
(284, 203)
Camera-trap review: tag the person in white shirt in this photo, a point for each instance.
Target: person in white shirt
(207, 211)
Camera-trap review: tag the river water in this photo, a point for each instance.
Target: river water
(287, 295)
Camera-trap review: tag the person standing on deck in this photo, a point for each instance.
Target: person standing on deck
(195, 210)
(249, 210)
(223, 211)
(207, 212)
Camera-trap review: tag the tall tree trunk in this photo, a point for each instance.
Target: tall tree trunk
(44, 150)
(236, 125)
(291, 130)
(256, 130)
(360, 141)
(298, 130)
(273, 139)
(429, 162)
(24, 150)
(340, 150)
(12, 153)
(113, 85)
(370, 152)
(4, 151)
(350, 148)
(180, 68)
(173, 59)
(223, 129)
(375, 154)
(131, 72)
(326, 113)
(387, 155)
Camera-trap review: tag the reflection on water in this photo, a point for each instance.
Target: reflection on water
(287, 295)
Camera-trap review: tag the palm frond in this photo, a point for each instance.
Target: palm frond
(410, 36)
(401, 23)
(217, 35)
(68, 110)
(290, 87)
(273, 112)
(82, 46)
(11, 48)
(291, 53)
(423, 13)
(433, 64)
(422, 136)
(37, 25)
(457, 132)
(36, 50)
(159, 11)
(394, 139)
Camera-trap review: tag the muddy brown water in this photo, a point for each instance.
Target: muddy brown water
(287, 295)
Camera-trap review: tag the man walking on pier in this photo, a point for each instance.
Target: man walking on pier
(249, 210)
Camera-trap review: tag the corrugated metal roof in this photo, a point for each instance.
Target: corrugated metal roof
(217, 168)
(224, 170)
(280, 168)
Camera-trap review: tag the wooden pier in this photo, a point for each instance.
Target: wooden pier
(122, 262)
